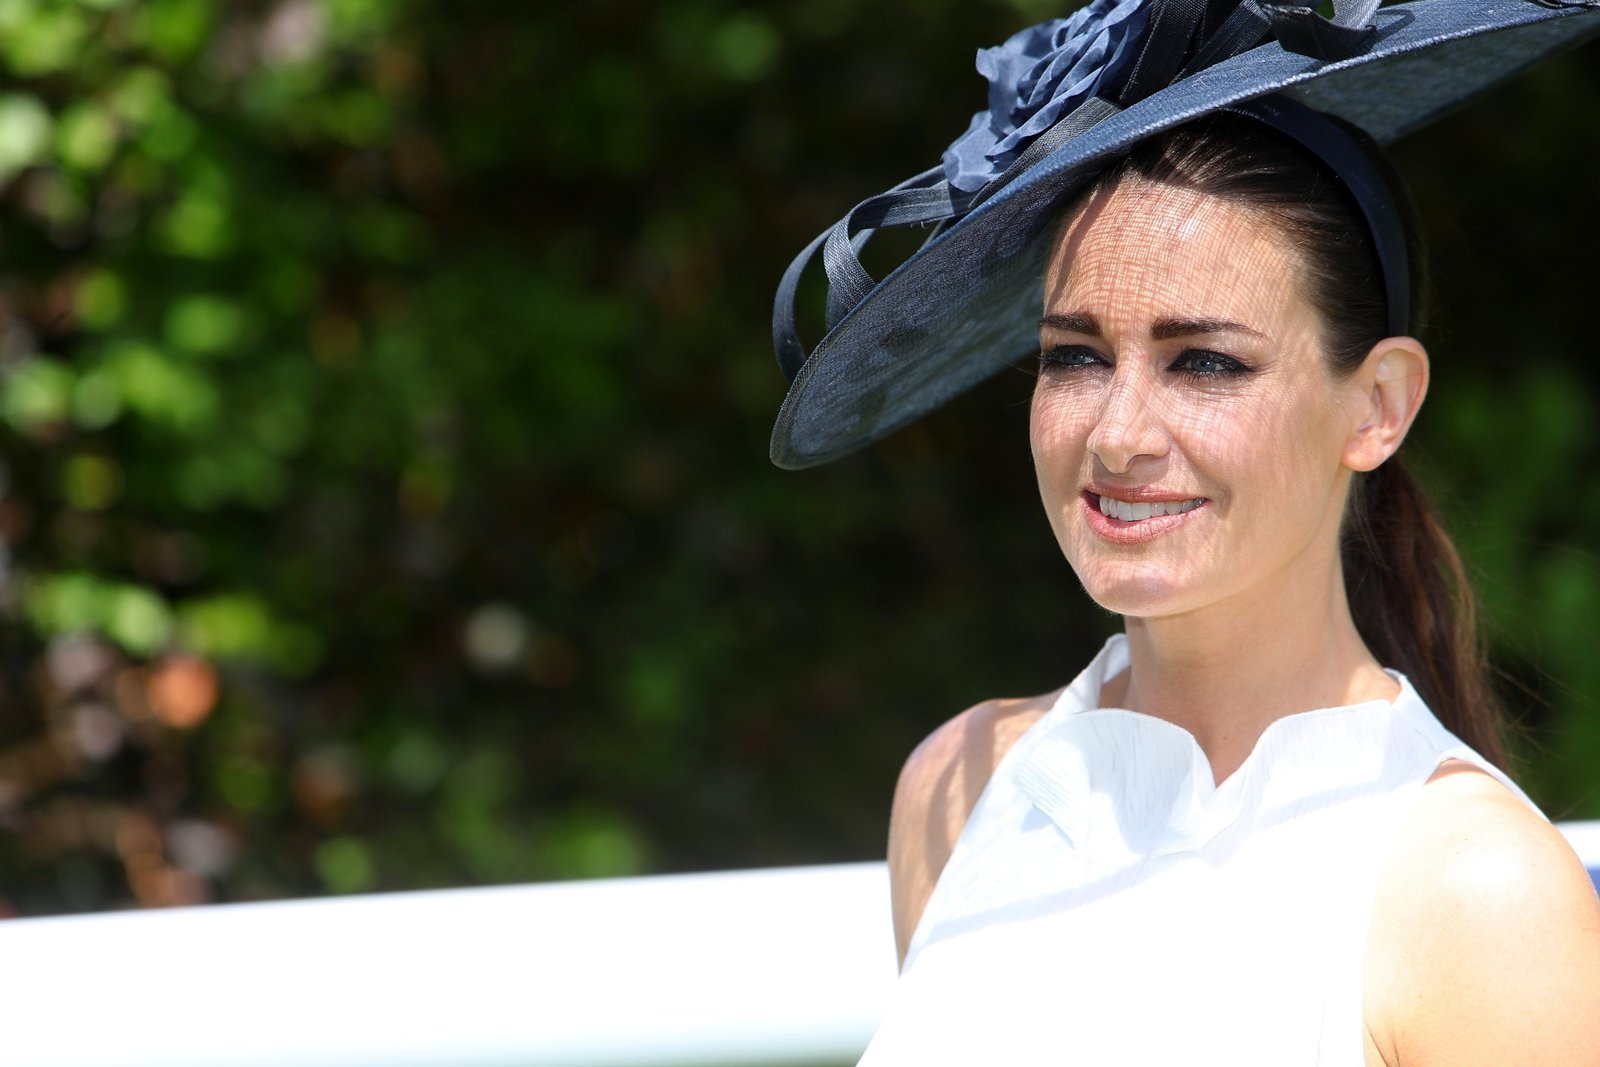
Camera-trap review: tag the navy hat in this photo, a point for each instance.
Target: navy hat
(1067, 99)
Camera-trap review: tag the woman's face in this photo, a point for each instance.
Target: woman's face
(1186, 434)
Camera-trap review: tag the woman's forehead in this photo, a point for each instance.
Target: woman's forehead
(1143, 251)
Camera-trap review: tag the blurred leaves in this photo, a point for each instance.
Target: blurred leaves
(384, 393)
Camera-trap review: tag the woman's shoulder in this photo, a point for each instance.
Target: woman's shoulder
(938, 786)
(1487, 908)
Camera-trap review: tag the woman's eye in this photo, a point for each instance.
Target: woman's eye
(1208, 364)
(1069, 356)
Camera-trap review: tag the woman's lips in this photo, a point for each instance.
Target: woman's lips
(1149, 517)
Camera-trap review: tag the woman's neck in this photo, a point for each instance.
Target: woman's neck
(1224, 673)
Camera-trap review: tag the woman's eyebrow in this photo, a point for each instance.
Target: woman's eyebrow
(1073, 322)
(1163, 330)
(1167, 329)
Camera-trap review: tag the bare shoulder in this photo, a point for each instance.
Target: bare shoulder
(938, 786)
(1485, 936)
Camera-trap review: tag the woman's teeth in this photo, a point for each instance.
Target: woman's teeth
(1122, 509)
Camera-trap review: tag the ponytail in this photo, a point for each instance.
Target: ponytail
(1414, 607)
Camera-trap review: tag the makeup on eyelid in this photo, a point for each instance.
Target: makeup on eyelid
(1068, 357)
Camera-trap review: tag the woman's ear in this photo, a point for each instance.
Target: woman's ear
(1391, 383)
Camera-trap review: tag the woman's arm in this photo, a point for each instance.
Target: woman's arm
(938, 786)
(1494, 935)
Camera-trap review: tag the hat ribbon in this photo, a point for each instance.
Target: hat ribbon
(1183, 36)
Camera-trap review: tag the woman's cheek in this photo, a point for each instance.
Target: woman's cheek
(1061, 420)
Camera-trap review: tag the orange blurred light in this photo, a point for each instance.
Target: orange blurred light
(182, 690)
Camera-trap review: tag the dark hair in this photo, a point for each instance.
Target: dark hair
(1409, 594)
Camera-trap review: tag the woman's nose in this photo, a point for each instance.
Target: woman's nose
(1129, 425)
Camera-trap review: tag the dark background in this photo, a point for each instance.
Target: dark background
(385, 389)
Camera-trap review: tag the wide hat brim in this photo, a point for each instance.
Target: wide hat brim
(967, 304)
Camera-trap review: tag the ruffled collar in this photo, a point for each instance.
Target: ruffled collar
(1122, 785)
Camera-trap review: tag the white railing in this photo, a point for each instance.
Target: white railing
(786, 966)
(781, 966)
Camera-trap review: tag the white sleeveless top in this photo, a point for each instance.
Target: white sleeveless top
(1107, 904)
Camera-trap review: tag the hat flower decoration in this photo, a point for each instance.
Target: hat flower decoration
(1037, 76)
(1066, 99)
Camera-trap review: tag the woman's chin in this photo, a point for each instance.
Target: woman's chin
(1140, 593)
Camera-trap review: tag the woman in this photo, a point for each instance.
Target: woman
(1236, 837)
(1266, 824)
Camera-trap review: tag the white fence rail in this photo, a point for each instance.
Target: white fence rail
(782, 966)
(789, 966)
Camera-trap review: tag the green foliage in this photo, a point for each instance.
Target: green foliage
(384, 392)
